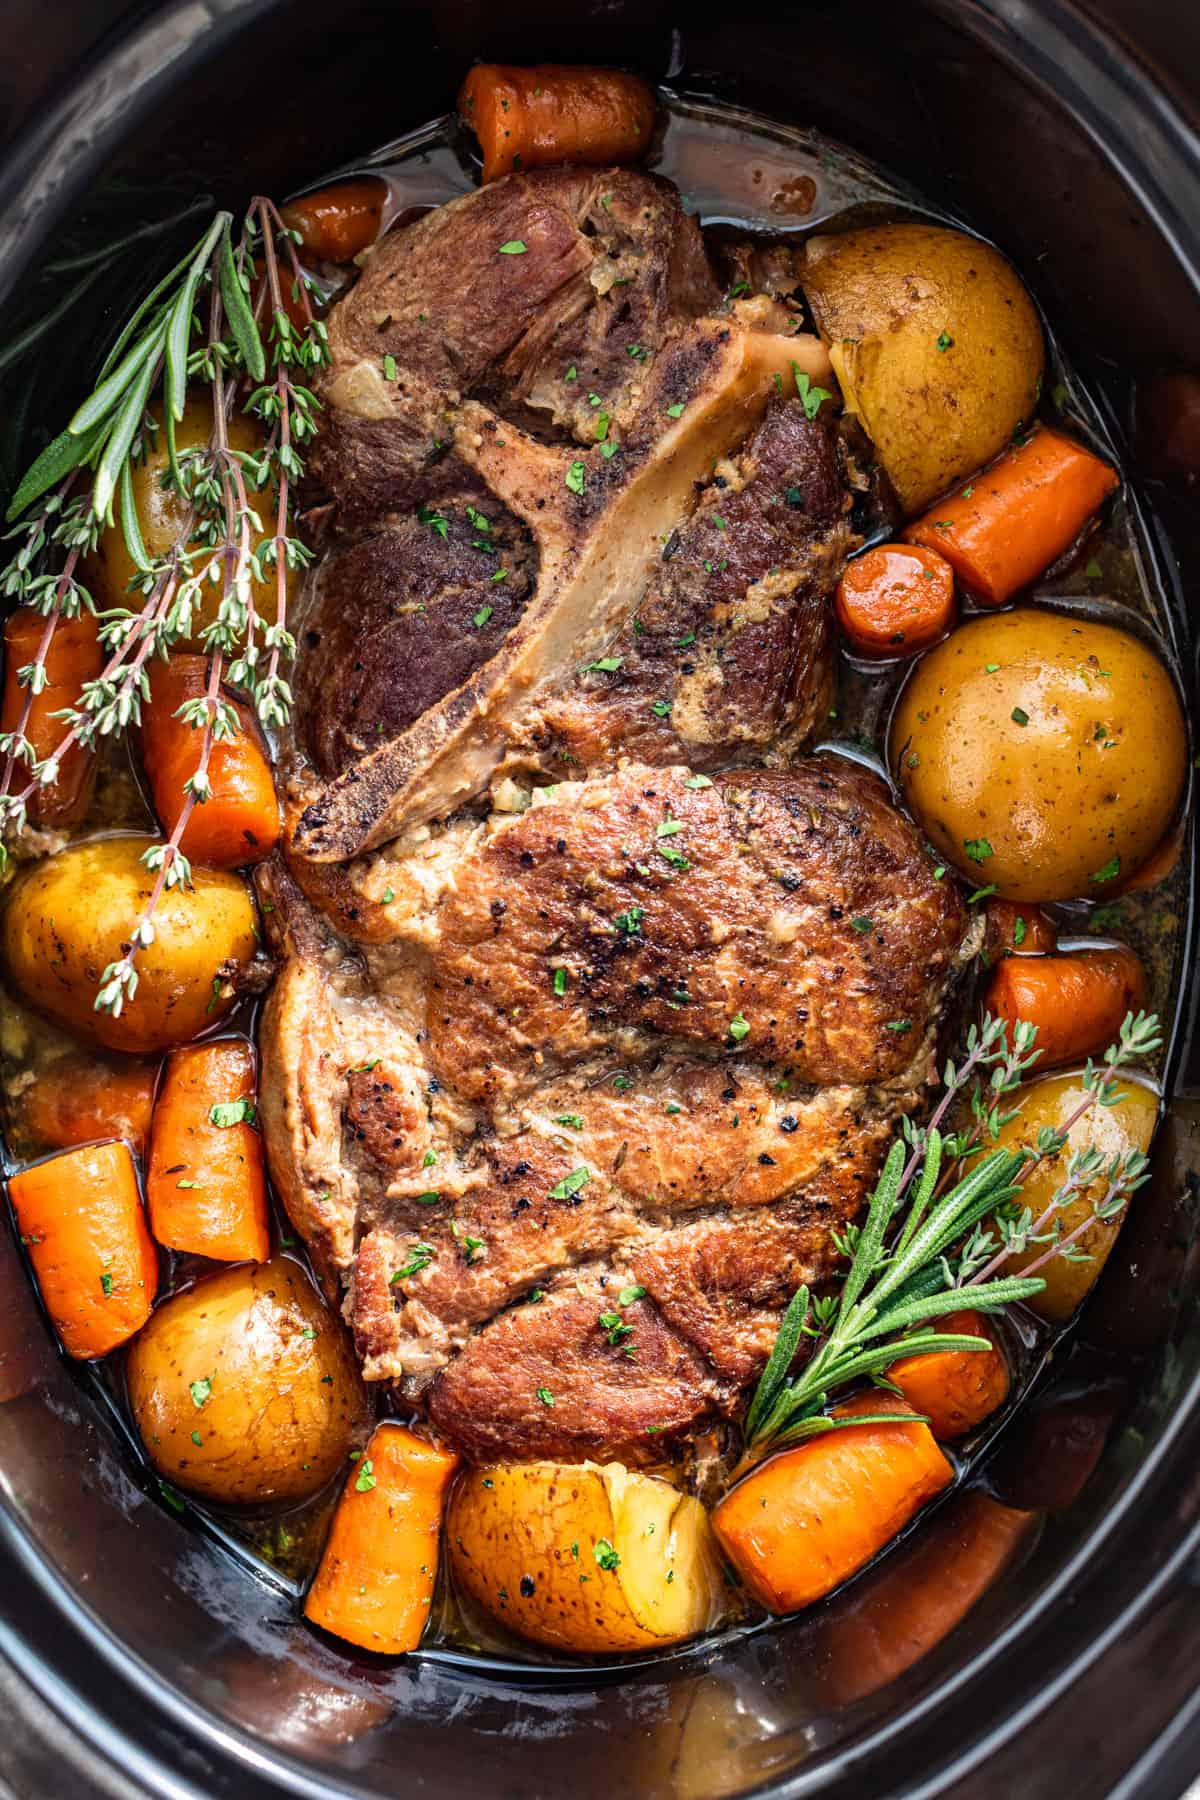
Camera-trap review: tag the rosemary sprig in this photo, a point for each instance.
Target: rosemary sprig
(165, 347)
(934, 1235)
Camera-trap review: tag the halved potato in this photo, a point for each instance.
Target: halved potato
(584, 1557)
(935, 342)
(1114, 1131)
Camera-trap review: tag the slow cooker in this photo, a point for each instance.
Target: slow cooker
(138, 1657)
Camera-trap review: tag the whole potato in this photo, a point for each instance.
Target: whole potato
(70, 916)
(584, 1557)
(1113, 1130)
(245, 1389)
(162, 514)
(1041, 752)
(935, 342)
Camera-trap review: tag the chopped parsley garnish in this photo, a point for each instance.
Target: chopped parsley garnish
(572, 374)
(1019, 929)
(740, 287)
(545, 1396)
(389, 368)
(1019, 716)
(898, 1025)
(201, 1391)
(437, 521)
(500, 575)
(232, 1112)
(603, 421)
(978, 849)
(473, 1248)
(676, 411)
(430, 1197)
(676, 858)
(810, 396)
(944, 340)
(637, 352)
(429, 1158)
(560, 982)
(981, 894)
(614, 1327)
(1109, 872)
(1093, 571)
(572, 1121)
(661, 709)
(603, 665)
(197, 1440)
(686, 641)
(106, 1283)
(668, 828)
(862, 925)
(364, 1068)
(514, 247)
(571, 1184)
(574, 477)
(739, 1028)
(698, 781)
(630, 922)
(420, 1256)
(482, 616)
(364, 1481)
(628, 1295)
(387, 896)
(605, 1555)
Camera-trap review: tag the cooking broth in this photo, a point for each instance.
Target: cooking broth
(746, 176)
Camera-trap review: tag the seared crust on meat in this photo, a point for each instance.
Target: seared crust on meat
(572, 1090)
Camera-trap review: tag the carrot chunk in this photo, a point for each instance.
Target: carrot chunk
(1159, 866)
(956, 1389)
(895, 600)
(1076, 1001)
(916, 1600)
(79, 1099)
(205, 1187)
(1018, 929)
(377, 1573)
(1010, 521)
(80, 1215)
(804, 1521)
(239, 823)
(74, 656)
(528, 118)
(338, 221)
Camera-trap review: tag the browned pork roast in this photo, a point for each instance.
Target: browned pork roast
(597, 1001)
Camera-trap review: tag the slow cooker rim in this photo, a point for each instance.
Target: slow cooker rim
(46, 170)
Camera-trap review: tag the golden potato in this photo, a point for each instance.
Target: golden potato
(68, 917)
(584, 1557)
(162, 514)
(1041, 752)
(1113, 1130)
(935, 342)
(245, 1388)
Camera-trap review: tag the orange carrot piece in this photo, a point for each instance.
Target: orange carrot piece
(1009, 522)
(916, 1600)
(80, 1216)
(239, 823)
(550, 113)
(79, 1099)
(205, 1187)
(805, 1520)
(1015, 928)
(377, 1573)
(895, 600)
(1160, 865)
(74, 656)
(338, 221)
(955, 1389)
(1076, 1001)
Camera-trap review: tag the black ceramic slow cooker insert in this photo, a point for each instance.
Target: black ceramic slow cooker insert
(140, 1649)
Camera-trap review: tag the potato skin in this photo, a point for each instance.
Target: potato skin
(271, 1427)
(162, 514)
(935, 342)
(71, 915)
(525, 1542)
(1095, 772)
(1113, 1130)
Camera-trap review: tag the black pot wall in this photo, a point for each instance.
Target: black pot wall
(171, 1658)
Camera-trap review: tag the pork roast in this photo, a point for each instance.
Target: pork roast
(598, 1000)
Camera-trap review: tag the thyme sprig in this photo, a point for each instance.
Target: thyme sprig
(943, 1219)
(171, 344)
